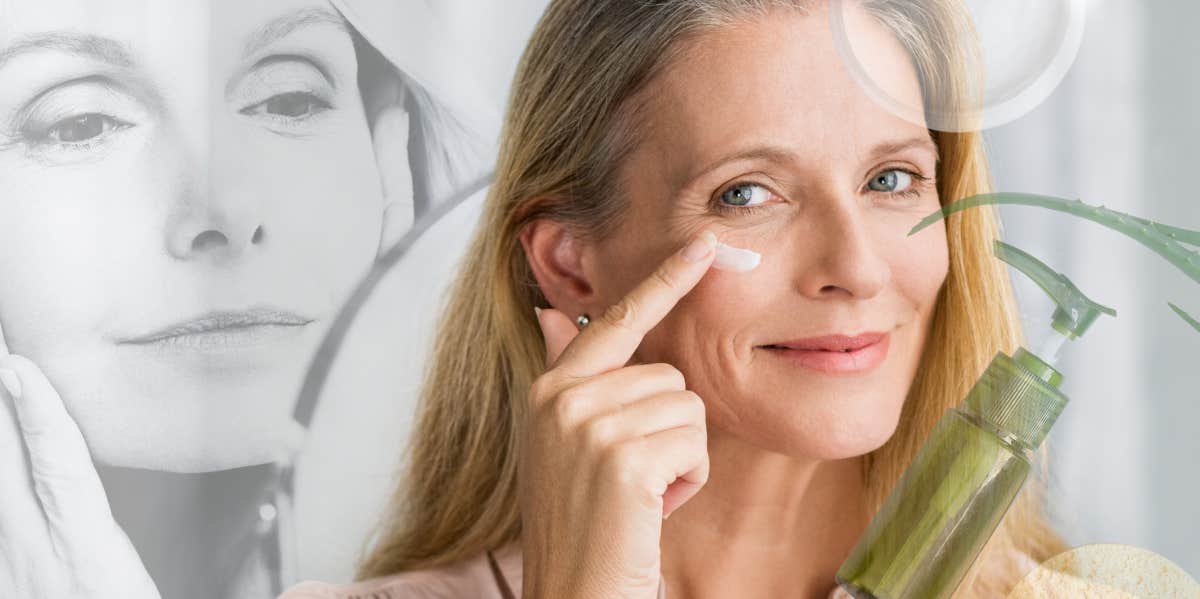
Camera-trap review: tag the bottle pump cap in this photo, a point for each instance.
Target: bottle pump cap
(1075, 312)
(1019, 395)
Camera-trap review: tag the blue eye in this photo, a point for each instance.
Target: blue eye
(745, 194)
(891, 181)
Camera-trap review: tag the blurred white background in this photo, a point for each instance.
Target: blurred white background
(1120, 131)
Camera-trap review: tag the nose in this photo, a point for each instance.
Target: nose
(217, 226)
(847, 261)
(217, 213)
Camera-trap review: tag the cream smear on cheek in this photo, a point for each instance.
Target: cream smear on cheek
(735, 259)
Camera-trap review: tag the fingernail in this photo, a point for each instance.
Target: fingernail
(700, 246)
(11, 383)
(537, 312)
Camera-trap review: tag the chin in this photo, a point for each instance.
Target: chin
(841, 433)
(182, 447)
(838, 447)
(189, 429)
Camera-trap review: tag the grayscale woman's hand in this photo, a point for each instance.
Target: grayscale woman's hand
(609, 450)
(57, 534)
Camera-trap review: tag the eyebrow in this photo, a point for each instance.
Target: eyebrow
(895, 147)
(91, 46)
(283, 26)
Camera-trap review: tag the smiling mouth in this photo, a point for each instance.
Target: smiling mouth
(225, 329)
(834, 354)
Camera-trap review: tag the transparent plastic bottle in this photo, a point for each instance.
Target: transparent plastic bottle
(949, 501)
(952, 497)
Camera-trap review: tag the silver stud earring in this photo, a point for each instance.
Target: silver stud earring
(583, 320)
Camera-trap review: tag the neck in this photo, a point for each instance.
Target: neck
(194, 532)
(764, 525)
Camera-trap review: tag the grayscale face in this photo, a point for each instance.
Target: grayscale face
(188, 192)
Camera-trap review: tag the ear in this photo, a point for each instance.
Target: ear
(390, 139)
(559, 262)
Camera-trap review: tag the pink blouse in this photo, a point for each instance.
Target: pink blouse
(492, 575)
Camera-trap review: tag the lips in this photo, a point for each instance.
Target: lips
(842, 343)
(222, 325)
(834, 354)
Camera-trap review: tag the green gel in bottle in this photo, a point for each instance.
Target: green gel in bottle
(952, 497)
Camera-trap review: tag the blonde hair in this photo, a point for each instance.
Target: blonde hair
(571, 119)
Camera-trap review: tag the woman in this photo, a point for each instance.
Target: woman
(188, 195)
(551, 447)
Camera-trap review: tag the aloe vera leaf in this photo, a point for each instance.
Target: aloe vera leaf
(1164, 240)
(1178, 234)
(1184, 315)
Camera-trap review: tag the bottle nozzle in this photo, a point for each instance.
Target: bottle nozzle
(1075, 311)
(1051, 346)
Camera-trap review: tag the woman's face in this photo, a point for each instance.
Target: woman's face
(187, 193)
(757, 132)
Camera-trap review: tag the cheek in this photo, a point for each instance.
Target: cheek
(324, 200)
(326, 184)
(919, 266)
(706, 335)
(69, 248)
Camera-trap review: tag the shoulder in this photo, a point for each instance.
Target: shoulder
(469, 579)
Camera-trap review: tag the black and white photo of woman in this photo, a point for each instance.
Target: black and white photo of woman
(188, 194)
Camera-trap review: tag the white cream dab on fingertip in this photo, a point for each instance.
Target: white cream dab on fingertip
(735, 259)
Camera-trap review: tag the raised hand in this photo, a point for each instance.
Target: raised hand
(610, 450)
(57, 535)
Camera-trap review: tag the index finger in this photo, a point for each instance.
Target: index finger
(610, 340)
